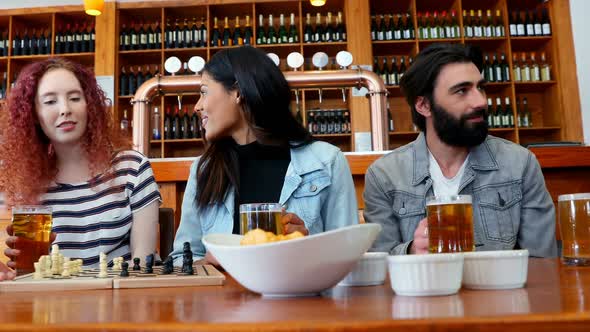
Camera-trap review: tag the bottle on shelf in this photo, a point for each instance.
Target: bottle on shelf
(398, 30)
(329, 30)
(529, 23)
(293, 34)
(238, 39)
(467, 27)
(455, 30)
(178, 35)
(491, 116)
(318, 33)
(393, 73)
(373, 27)
(498, 72)
(525, 70)
(516, 73)
(226, 35)
(282, 38)
(132, 82)
(248, 34)
(143, 43)
(479, 24)
(499, 25)
(545, 23)
(168, 124)
(535, 70)
(260, 33)
(156, 133)
(203, 32)
(505, 68)
(134, 37)
(187, 34)
(92, 34)
(123, 83)
(391, 27)
(489, 30)
(310, 122)
(215, 36)
(509, 120)
(527, 119)
(271, 37)
(124, 124)
(545, 69)
(537, 24)
(176, 133)
(382, 28)
(520, 25)
(512, 25)
(499, 114)
(169, 35)
(185, 125)
(385, 72)
(195, 125)
(519, 114)
(140, 78)
(341, 28)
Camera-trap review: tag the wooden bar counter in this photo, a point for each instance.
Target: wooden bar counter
(556, 298)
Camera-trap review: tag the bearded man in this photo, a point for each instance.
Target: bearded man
(454, 155)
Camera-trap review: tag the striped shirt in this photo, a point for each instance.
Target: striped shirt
(96, 216)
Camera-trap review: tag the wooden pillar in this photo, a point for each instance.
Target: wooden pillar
(106, 40)
(358, 28)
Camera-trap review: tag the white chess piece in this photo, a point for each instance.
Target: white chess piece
(66, 268)
(38, 275)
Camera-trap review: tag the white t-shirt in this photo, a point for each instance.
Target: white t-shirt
(441, 185)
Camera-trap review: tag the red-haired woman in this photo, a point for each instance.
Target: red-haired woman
(59, 150)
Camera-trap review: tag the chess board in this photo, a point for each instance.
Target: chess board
(204, 275)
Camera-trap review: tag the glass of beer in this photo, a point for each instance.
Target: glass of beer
(266, 216)
(450, 224)
(32, 224)
(574, 225)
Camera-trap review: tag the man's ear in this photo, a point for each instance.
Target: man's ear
(423, 106)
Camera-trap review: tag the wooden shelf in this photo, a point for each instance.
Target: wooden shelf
(324, 44)
(403, 133)
(439, 40)
(180, 140)
(396, 41)
(136, 52)
(498, 83)
(278, 45)
(30, 57)
(537, 129)
(484, 39)
(74, 55)
(501, 130)
(190, 49)
(332, 135)
(526, 38)
(533, 86)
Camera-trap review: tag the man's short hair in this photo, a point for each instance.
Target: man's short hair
(419, 79)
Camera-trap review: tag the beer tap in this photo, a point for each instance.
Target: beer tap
(172, 65)
(295, 60)
(344, 59)
(274, 58)
(196, 64)
(320, 60)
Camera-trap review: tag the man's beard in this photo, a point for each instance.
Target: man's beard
(460, 132)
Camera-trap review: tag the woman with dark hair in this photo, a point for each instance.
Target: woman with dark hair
(59, 150)
(257, 152)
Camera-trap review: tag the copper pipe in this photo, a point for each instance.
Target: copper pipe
(297, 80)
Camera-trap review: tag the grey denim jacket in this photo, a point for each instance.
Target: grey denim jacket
(511, 205)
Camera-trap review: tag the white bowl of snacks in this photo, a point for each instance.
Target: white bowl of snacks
(499, 269)
(370, 270)
(426, 275)
(295, 267)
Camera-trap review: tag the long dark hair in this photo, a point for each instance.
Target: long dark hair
(420, 78)
(265, 98)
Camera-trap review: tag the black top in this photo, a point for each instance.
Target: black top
(262, 174)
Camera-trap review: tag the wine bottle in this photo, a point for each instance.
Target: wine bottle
(499, 25)
(178, 35)
(132, 82)
(215, 38)
(143, 37)
(382, 28)
(528, 119)
(123, 83)
(519, 114)
(26, 44)
(498, 73)
(373, 27)
(168, 124)
(169, 38)
(308, 35)
(535, 70)
(545, 69)
(491, 115)
(537, 26)
(329, 30)
(194, 125)
(545, 24)
(134, 34)
(499, 114)
(318, 34)
(237, 38)
(399, 28)
(187, 35)
(272, 36)
(409, 27)
(402, 68)
(516, 68)
(260, 33)
(525, 70)
(283, 38)
(489, 30)
(512, 25)
(185, 125)
(195, 34)
(529, 24)
(176, 134)
(85, 46)
(34, 43)
(248, 36)
(140, 78)
(226, 39)
(16, 43)
(92, 45)
(156, 133)
(293, 34)
(124, 124)
(505, 68)
(520, 26)
(203, 30)
(478, 30)
(509, 121)
(393, 73)
(78, 39)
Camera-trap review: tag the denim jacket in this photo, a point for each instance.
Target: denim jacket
(318, 188)
(511, 205)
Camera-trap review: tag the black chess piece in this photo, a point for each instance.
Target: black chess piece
(124, 269)
(149, 263)
(168, 265)
(187, 259)
(136, 266)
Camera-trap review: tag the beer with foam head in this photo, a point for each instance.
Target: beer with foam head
(450, 224)
(32, 224)
(574, 225)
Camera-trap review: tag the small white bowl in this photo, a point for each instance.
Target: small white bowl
(426, 275)
(500, 269)
(370, 270)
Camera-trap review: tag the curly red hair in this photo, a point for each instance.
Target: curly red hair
(28, 161)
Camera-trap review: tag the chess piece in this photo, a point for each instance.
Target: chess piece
(136, 266)
(66, 268)
(38, 275)
(103, 266)
(187, 259)
(168, 265)
(124, 270)
(149, 263)
(117, 261)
